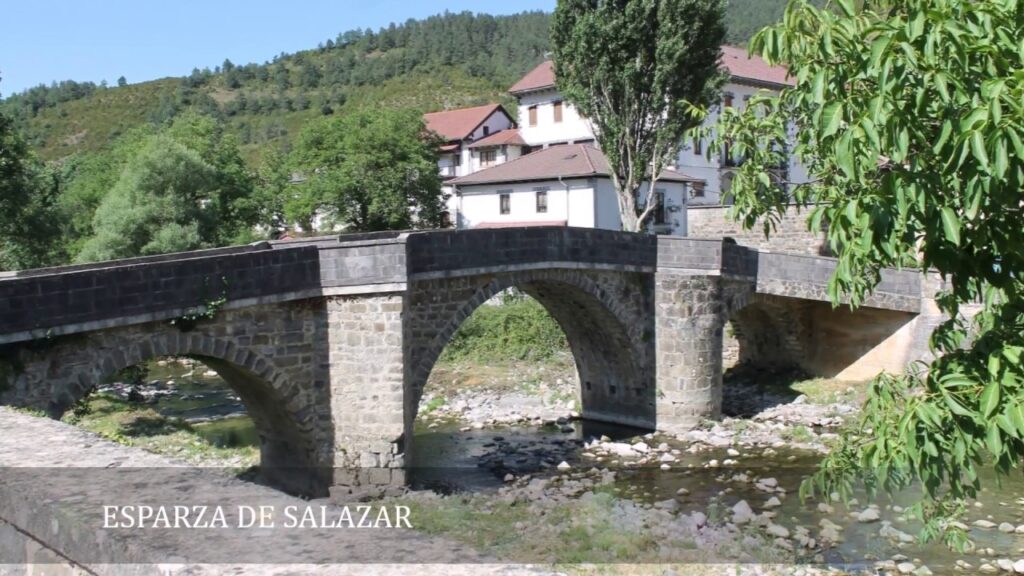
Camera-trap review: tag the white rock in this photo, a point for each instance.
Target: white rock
(713, 464)
(667, 458)
(742, 513)
(768, 482)
(682, 492)
(923, 571)
(984, 524)
(1018, 566)
(699, 519)
(564, 466)
(1019, 529)
(671, 505)
(988, 568)
(665, 467)
(641, 447)
(772, 502)
(777, 531)
(905, 567)
(868, 515)
(825, 508)
(732, 452)
(1007, 527)
(509, 477)
(1004, 564)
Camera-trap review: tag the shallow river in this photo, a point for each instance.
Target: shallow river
(448, 460)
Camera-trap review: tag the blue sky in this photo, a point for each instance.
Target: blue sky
(46, 40)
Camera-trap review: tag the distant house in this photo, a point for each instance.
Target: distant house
(462, 127)
(560, 186)
(510, 162)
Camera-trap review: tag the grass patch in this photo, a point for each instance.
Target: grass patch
(576, 531)
(143, 427)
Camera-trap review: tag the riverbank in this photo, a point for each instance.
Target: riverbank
(516, 473)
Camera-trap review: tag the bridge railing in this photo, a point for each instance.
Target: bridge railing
(805, 276)
(468, 250)
(78, 298)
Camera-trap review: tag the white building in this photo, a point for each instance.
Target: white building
(462, 128)
(560, 186)
(495, 174)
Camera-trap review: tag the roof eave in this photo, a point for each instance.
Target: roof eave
(758, 82)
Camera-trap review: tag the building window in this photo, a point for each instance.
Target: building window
(487, 130)
(542, 200)
(558, 112)
(698, 146)
(488, 157)
(506, 203)
(658, 215)
(533, 115)
(728, 100)
(697, 190)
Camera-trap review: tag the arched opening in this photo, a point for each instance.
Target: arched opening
(522, 419)
(181, 394)
(762, 351)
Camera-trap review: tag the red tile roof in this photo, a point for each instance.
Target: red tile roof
(459, 124)
(742, 66)
(510, 136)
(543, 76)
(573, 161)
(734, 59)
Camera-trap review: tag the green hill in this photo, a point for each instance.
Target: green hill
(444, 61)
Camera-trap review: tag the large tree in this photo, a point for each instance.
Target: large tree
(910, 115)
(182, 187)
(370, 170)
(639, 70)
(29, 223)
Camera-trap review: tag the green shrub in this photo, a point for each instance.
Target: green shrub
(518, 329)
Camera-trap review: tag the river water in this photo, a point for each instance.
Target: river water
(450, 459)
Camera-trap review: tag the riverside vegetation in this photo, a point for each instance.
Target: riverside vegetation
(517, 474)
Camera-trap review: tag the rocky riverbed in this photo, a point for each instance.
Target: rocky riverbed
(725, 492)
(502, 461)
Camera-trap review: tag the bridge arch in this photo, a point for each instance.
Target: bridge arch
(55, 378)
(769, 333)
(601, 314)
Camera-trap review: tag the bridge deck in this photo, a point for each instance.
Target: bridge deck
(37, 304)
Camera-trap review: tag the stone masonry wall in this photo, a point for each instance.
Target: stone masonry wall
(689, 322)
(40, 303)
(790, 235)
(365, 361)
(270, 355)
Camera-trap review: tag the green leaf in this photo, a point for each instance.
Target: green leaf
(990, 399)
(994, 441)
(978, 149)
(833, 118)
(955, 406)
(951, 225)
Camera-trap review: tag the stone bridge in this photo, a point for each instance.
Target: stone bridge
(329, 342)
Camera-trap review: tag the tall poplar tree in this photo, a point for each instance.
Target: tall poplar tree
(639, 70)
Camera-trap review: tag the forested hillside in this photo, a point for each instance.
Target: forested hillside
(445, 61)
(449, 60)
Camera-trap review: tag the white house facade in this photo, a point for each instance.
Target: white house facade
(498, 172)
(565, 185)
